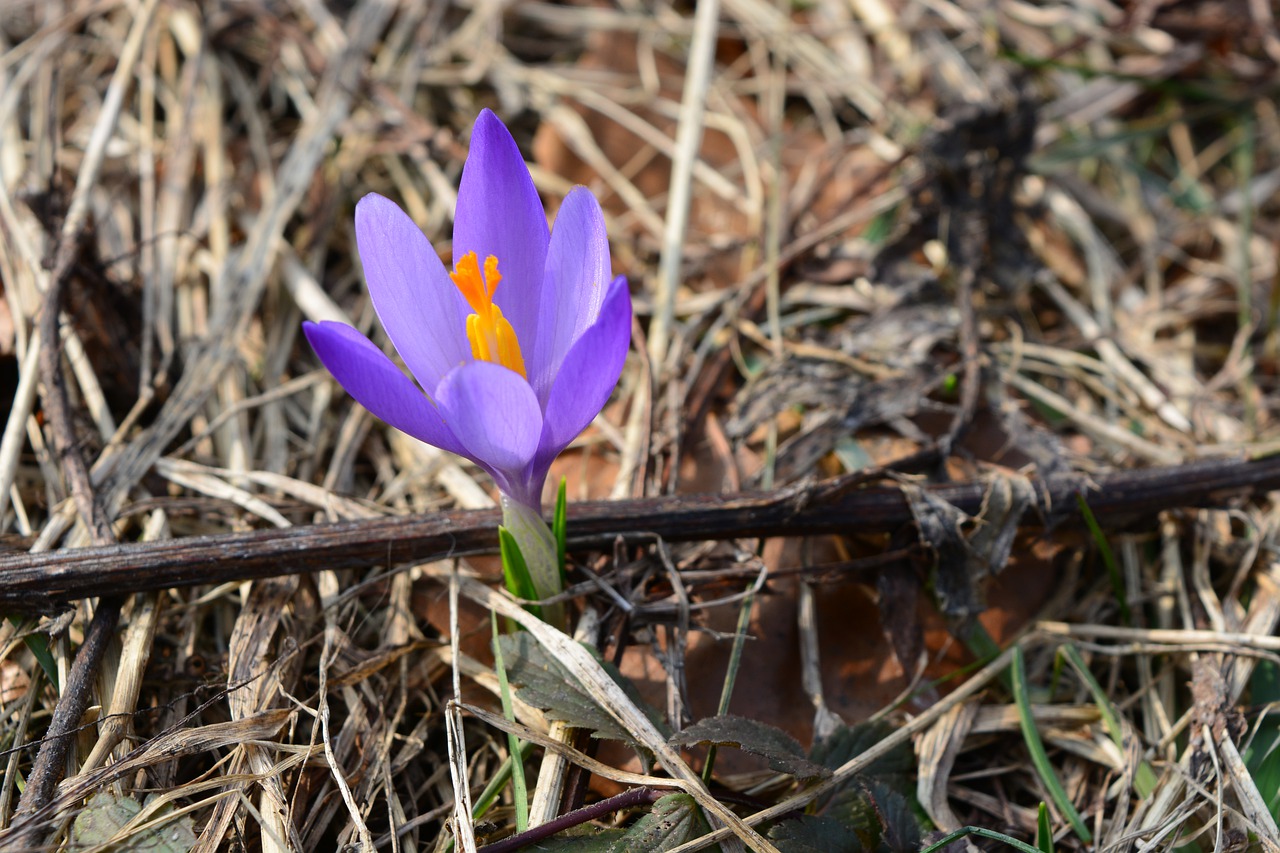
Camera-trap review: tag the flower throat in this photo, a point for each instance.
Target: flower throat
(492, 338)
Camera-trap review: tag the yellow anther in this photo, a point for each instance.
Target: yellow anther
(492, 337)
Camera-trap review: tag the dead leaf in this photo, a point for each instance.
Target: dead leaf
(781, 750)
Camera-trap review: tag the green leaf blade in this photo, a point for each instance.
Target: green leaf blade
(1035, 746)
(515, 572)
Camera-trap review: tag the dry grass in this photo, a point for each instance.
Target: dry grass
(998, 242)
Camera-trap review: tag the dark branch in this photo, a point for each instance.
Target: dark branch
(40, 581)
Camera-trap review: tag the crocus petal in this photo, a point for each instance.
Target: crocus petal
(422, 311)
(574, 287)
(495, 416)
(587, 375)
(378, 385)
(499, 213)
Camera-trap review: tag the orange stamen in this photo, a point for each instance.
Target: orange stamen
(492, 337)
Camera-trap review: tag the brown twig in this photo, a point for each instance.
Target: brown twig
(51, 760)
(34, 581)
(627, 799)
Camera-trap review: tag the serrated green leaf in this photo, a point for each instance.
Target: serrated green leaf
(852, 808)
(783, 752)
(102, 818)
(587, 839)
(106, 814)
(541, 681)
(815, 834)
(848, 742)
(900, 828)
(882, 816)
(895, 769)
(674, 820)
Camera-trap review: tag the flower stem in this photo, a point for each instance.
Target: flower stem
(538, 547)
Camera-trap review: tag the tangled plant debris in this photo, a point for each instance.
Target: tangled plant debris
(941, 482)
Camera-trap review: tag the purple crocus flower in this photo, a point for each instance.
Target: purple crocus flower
(516, 350)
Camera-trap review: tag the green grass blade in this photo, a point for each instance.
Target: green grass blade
(1144, 778)
(38, 645)
(1108, 558)
(982, 646)
(1044, 834)
(520, 790)
(498, 781)
(1035, 746)
(731, 674)
(560, 527)
(966, 831)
